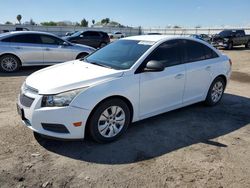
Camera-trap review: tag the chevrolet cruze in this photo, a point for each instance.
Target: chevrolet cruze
(128, 80)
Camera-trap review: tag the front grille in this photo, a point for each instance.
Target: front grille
(26, 101)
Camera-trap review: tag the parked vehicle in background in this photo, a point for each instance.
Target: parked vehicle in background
(116, 35)
(203, 37)
(230, 38)
(126, 81)
(28, 48)
(96, 39)
(153, 33)
(16, 29)
(70, 33)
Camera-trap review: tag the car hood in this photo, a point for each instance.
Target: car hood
(70, 75)
(81, 46)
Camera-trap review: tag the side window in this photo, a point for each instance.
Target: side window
(25, 38)
(8, 39)
(169, 53)
(194, 51)
(91, 34)
(51, 40)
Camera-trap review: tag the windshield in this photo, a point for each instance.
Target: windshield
(225, 33)
(77, 34)
(121, 54)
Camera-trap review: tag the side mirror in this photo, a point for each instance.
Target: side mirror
(65, 44)
(154, 66)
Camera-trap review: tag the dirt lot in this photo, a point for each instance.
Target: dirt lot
(196, 146)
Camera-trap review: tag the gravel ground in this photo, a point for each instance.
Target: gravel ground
(196, 146)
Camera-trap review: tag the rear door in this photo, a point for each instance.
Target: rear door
(163, 91)
(92, 38)
(54, 50)
(199, 60)
(28, 48)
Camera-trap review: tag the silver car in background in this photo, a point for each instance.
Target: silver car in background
(30, 48)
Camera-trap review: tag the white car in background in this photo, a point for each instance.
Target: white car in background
(117, 35)
(126, 81)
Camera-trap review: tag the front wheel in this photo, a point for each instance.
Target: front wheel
(109, 120)
(215, 92)
(9, 63)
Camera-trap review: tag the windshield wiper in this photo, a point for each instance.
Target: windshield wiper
(101, 65)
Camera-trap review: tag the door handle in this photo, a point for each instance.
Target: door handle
(18, 48)
(179, 76)
(208, 68)
(47, 49)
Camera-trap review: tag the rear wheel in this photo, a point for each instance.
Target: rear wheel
(247, 44)
(109, 120)
(9, 63)
(102, 44)
(215, 92)
(230, 45)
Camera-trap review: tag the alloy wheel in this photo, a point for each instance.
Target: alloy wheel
(111, 121)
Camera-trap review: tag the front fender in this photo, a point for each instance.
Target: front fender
(127, 87)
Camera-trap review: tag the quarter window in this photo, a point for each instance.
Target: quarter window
(168, 53)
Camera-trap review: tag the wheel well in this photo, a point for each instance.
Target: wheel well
(85, 53)
(12, 55)
(124, 99)
(223, 77)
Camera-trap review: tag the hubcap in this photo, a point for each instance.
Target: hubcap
(217, 91)
(9, 64)
(111, 121)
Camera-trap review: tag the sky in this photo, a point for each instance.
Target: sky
(145, 13)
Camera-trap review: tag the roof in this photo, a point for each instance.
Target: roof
(151, 38)
(28, 32)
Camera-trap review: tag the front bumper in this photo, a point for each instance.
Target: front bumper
(219, 44)
(34, 117)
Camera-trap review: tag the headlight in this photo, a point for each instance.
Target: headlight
(226, 39)
(61, 99)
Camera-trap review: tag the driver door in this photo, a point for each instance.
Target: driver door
(163, 91)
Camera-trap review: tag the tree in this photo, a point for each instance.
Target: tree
(8, 23)
(19, 17)
(176, 27)
(51, 23)
(198, 26)
(84, 23)
(77, 24)
(105, 21)
(93, 22)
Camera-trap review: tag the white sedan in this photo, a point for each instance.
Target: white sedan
(126, 81)
(117, 35)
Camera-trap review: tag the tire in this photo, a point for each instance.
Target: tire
(215, 92)
(230, 45)
(109, 120)
(9, 63)
(247, 44)
(81, 55)
(102, 45)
